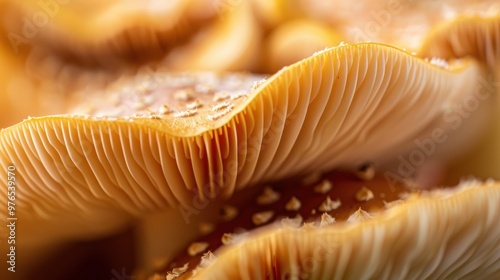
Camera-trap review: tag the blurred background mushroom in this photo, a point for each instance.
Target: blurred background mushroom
(87, 57)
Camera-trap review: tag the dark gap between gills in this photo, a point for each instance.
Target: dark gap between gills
(315, 201)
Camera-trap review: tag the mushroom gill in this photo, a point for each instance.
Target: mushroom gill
(206, 135)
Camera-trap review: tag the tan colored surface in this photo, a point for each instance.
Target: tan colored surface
(87, 177)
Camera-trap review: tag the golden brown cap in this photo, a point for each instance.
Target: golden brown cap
(312, 201)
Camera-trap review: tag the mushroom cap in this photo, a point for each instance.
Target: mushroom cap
(87, 176)
(91, 43)
(401, 24)
(315, 200)
(96, 31)
(429, 235)
(466, 36)
(333, 109)
(367, 225)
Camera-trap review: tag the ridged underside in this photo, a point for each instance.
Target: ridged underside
(342, 107)
(430, 236)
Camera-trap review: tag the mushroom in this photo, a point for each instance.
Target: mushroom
(423, 235)
(482, 43)
(261, 130)
(97, 34)
(86, 45)
(403, 24)
(399, 232)
(98, 42)
(20, 95)
(179, 140)
(91, 174)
